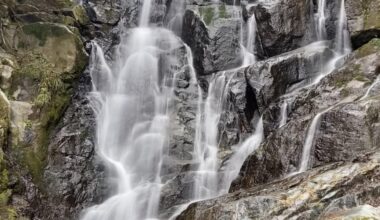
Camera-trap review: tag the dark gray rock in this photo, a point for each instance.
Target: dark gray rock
(322, 193)
(284, 25)
(74, 176)
(345, 132)
(215, 40)
(363, 21)
(105, 12)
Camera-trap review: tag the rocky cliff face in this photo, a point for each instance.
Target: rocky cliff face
(49, 168)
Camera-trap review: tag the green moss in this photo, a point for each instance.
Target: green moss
(347, 75)
(344, 92)
(67, 20)
(42, 31)
(7, 213)
(223, 11)
(80, 15)
(207, 14)
(4, 197)
(363, 218)
(51, 94)
(370, 48)
(371, 11)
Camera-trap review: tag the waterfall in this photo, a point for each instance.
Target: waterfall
(249, 48)
(145, 13)
(309, 143)
(342, 48)
(367, 93)
(232, 169)
(321, 20)
(175, 16)
(284, 113)
(342, 39)
(206, 147)
(131, 100)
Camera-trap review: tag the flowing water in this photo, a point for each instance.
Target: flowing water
(234, 164)
(206, 146)
(284, 112)
(342, 39)
(321, 20)
(249, 48)
(132, 101)
(342, 48)
(308, 145)
(368, 92)
(320, 23)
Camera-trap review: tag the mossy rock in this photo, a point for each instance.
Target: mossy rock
(61, 46)
(80, 15)
(47, 5)
(371, 11)
(207, 13)
(371, 47)
(8, 213)
(4, 119)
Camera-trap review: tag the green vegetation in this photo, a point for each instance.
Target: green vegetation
(51, 95)
(371, 47)
(42, 31)
(80, 15)
(223, 11)
(38, 69)
(371, 11)
(207, 14)
(348, 74)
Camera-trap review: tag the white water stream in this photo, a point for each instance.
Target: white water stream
(342, 48)
(207, 144)
(131, 101)
(249, 49)
(132, 104)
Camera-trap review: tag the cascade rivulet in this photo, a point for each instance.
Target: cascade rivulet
(133, 101)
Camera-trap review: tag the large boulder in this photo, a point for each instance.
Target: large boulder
(273, 77)
(284, 25)
(363, 20)
(346, 130)
(212, 32)
(74, 176)
(61, 46)
(322, 193)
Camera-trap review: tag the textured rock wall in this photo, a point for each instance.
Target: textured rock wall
(48, 165)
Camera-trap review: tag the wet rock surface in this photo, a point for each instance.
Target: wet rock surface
(49, 166)
(284, 25)
(75, 175)
(325, 192)
(345, 131)
(363, 21)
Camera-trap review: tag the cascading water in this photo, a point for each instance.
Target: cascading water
(284, 112)
(342, 39)
(131, 100)
(206, 146)
(342, 48)
(248, 49)
(308, 145)
(320, 23)
(175, 16)
(234, 164)
(321, 20)
(374, 84)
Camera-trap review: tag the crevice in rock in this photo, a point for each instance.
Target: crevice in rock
(364, 37)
